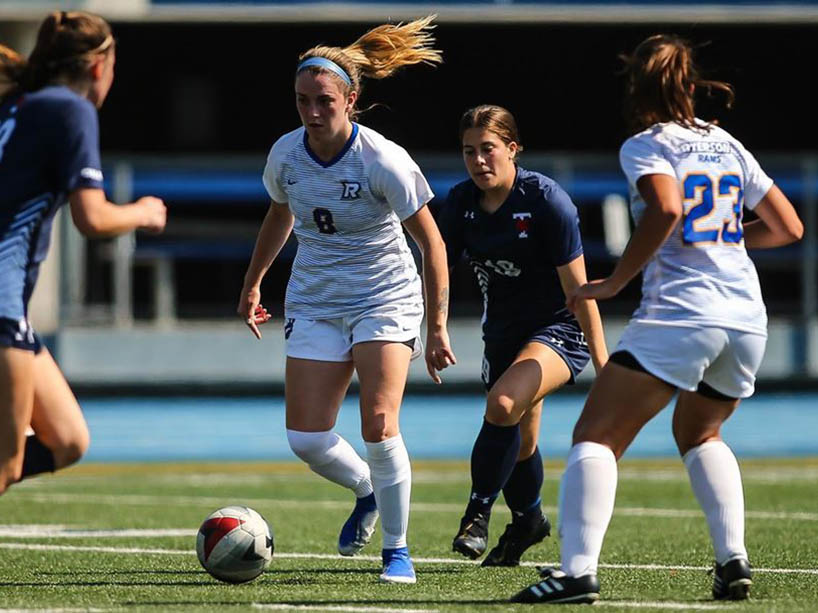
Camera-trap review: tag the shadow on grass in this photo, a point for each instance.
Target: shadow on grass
(393, 602)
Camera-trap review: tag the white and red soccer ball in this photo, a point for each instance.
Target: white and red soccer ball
(235, 544)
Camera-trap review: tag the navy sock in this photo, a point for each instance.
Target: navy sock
(492, 460)
(522, 490)
(37, 458)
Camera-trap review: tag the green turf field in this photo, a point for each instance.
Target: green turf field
(121, 537)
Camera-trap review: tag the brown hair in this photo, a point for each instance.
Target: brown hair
(380, 52)
(663, 79)
(66, 42)
(494, 119)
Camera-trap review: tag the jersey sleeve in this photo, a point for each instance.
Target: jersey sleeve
(450, 223)
(562, 238)
(272, 175)
(395, 177)
(756, 182)
(640, 156)
(76, 148)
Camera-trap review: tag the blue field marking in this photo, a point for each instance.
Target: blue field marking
(241, 428)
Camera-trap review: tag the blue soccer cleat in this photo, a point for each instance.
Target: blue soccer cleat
(397, 566)
(360, 526)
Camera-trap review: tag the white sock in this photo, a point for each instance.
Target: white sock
(392, 480)
(587, 494)
(716, 481)
(333, 458)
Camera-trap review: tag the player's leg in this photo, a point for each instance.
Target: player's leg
(16, 401)
(60, 433)
(621, 401)
(535, 371)
(319, 369)
(712, 466)
(382, 370)
(529, 525)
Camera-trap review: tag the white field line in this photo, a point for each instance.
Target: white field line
(371, 558)
(55, 610)
(645, 604)
(752, 475)
(417, 507)
(350, 609)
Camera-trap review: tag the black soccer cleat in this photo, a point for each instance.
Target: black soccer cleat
(555, 587)
(733, 580)
(472, 538)
(520, 534)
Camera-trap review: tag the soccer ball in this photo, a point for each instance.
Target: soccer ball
(234, 544)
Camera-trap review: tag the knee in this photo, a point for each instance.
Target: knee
(70, 448)
(310, 447)
(11, 471)
(377, 429)
(501, 409)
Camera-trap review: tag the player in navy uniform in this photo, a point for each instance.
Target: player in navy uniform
(520, 231)
(49, 154)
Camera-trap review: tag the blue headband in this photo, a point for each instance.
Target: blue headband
(322, 62)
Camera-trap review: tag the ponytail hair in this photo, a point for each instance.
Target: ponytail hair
(378, 53)
(66, 42)
(662, 81)
(12, 66)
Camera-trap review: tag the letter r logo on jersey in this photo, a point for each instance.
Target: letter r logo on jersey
(352, 190)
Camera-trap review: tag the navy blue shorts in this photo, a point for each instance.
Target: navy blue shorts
(20, 335)
(565, 338)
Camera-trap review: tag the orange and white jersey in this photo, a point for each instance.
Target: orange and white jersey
(701, 275)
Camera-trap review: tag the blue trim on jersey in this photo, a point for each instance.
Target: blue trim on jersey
(341, 153)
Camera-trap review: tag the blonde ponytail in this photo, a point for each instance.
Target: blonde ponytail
(380, 52)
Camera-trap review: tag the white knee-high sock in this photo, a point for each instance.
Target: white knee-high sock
(333, 458)
(392, 480)
(587, 494)
(716, 481)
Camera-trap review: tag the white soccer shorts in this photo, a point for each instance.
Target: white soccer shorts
(726, 360)
(331, 340)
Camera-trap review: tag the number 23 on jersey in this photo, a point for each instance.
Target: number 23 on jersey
(713, 207)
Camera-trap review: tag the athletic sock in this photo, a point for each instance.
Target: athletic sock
(522, 490)
(37, 458)
(492, 461)
(392, 481)
(716, 482)
(587, 494)
(332, 457)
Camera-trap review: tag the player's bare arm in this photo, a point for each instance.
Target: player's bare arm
(572, 276)
(274, 232)
(439, 355)
(778, 223)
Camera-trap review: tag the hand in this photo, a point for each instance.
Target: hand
(439, 354)
(598, 289)
(251, 310)
(155, 214)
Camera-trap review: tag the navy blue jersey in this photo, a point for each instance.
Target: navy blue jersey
(49, 147)
(515, 251)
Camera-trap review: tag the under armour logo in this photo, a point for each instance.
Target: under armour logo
(291, 182)
(468, 214)
(522, 221)
(288, 327)
(351, 190)
(485, 500)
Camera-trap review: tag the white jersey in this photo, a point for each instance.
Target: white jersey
(352, 253)
(701, 275)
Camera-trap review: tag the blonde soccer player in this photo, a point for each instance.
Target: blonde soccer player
(354, 299)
